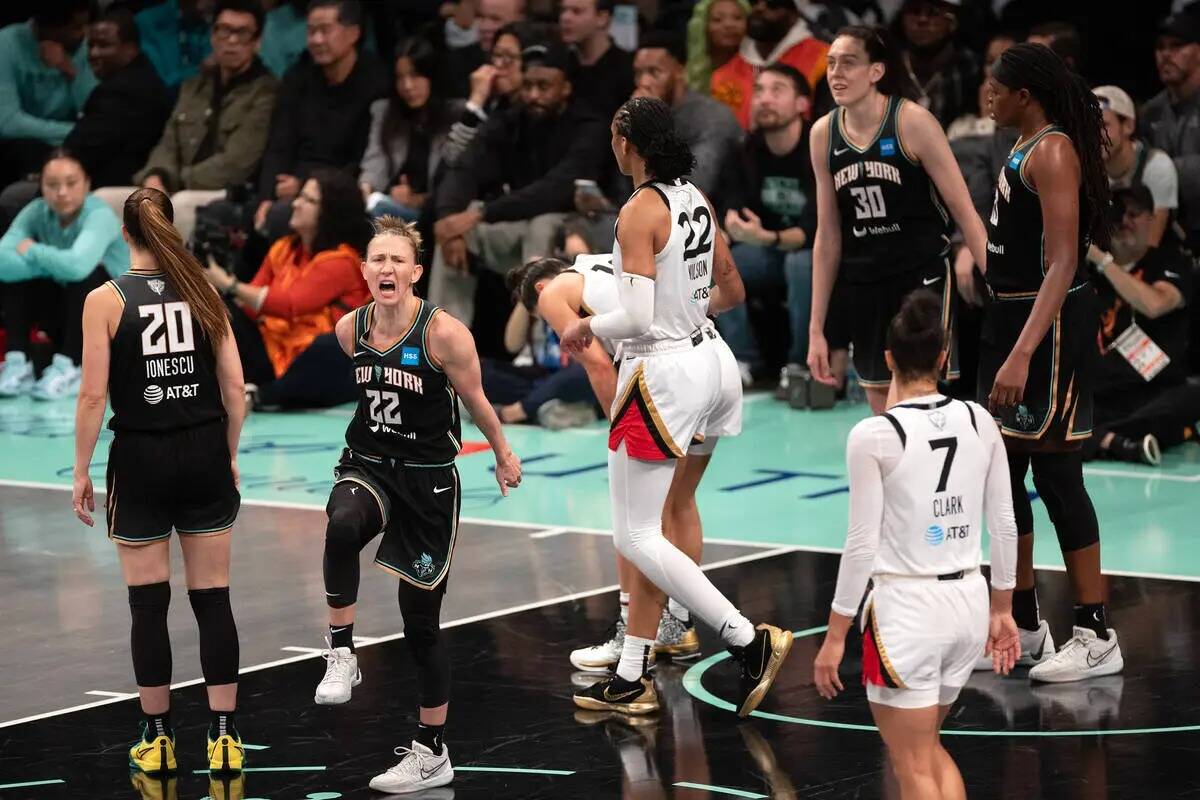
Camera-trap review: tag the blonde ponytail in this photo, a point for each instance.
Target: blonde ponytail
(148, 216)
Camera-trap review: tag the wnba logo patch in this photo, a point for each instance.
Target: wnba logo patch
(410, 356)
(934, 535)
(153, 394)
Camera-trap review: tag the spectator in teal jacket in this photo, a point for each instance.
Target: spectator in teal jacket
(175, 36)
(44, 82)
(60, 247)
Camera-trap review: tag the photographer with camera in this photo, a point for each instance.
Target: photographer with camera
(1143, 401)
(283, 320)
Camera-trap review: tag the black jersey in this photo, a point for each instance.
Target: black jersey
(1016, 261)
(893, 220)
(407, 409)
(162, 371)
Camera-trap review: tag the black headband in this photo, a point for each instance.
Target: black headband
(1004, 72)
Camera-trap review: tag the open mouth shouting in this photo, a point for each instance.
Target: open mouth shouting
(387, 287)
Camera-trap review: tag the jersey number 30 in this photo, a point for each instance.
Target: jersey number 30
(868, 202)
(177, 318)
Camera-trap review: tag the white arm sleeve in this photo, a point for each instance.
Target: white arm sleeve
(864, 464)
(998, 505)
(634, 315)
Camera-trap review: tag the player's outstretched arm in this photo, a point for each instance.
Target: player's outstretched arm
(862, 542)
(1004, 643)
(101, 313)
(558, 305)
(233, 396)
(451, 347)
(924, 138)
(827, 251)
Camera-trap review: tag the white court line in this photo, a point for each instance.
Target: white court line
(1146, 476)
(117, 695)
(728, 562)
(804, 548)
(551, 532)
(312, 651)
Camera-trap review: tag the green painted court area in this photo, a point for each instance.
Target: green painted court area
(782, 482)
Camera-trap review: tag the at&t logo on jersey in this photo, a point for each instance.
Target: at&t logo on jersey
(410, 356)
(153, 394)
(934, 535)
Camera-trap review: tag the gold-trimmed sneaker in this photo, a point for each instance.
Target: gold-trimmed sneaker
(616, 694)
(761, 660)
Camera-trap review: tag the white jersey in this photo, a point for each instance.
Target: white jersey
(684, 267)
(599, 289)
(921, 477)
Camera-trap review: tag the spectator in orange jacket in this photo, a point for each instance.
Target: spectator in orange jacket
(774, 32)
(284, 318)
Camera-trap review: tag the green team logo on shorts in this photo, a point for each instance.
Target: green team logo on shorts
(1024, 418)
(423, 566)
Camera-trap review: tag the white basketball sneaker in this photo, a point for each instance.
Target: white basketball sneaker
(16, 375)
(1036, 647)
(341, 675)
(1085, 656)
(59, 380)
(418, 769)
(604, 656)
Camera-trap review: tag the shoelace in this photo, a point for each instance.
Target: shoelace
(339, 665)
(410, 762)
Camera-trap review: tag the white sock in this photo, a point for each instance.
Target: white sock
(736, 630)
(677, 611)
(623, 599)
(634, 658)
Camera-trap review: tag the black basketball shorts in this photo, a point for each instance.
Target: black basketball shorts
(872, 306)
(175, 480)
(419, 505)
(1057, 404)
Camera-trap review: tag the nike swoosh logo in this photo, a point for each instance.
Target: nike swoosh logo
(843, 150)
(1098, 661)
(1170, 274)
(1041, 648)
(930, 281)
(622, 696)
(436, 490)
(427, 774)
(332, 594)
(335, 630)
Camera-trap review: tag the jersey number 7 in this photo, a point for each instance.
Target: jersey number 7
(950, 445)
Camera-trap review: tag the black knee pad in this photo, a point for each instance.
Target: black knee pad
(422, 610)
(1058, 478)
(150, 643)
(354, 519)
(218, 635)
(1018, 465)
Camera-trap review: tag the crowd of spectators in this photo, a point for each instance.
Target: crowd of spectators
(279, 127)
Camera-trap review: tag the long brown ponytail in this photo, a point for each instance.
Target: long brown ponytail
(148, 217)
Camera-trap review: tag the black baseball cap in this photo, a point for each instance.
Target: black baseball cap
(1136, 198)
(1184, 26)
(550, 54)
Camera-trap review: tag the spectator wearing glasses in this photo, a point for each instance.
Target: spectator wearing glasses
(60, 247)
(604, 77)
(1170, 121)
(177, 38)
(946, 76)
(323, 116)
(775, 32)
(461, 65)
(284, 319)
(1143, 401)
(215, 136)
(517, 182)
(495, 87)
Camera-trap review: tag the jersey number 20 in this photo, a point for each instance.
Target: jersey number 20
(868, 202)
(177, 318)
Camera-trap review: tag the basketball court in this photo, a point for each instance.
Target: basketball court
(534, 578)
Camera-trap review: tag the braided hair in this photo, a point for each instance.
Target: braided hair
(649, 126)
(1070, 104)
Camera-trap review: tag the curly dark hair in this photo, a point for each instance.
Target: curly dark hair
(649, 126)
(1069, 103)
(342, 217)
